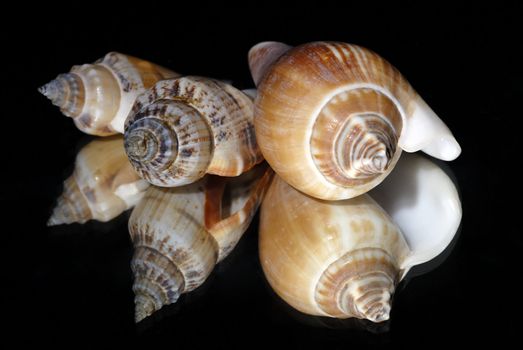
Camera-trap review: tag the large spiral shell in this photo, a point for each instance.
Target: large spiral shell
(338, 259)
(102, 185)
(332, 118)
(180, 234)
(99, 96)
(183, 128)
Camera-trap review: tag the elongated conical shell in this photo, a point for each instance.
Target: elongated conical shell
(183, 128)
(331, 118)
(102, 186)
(424, 202)
(179, 234)
(339, 259)
(99, 96)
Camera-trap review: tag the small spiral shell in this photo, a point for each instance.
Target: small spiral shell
(101, 187)
(183, 128)
(99, 96)
(339, 259)
(180, 234)
(332, 118)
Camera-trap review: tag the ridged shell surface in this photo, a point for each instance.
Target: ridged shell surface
(183, 128)
(338, 259)
(99, 96)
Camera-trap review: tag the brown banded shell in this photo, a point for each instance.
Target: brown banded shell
(102, 186)
(183, 128)
(332, 118)
(180, 234)
(339, 259)
(99, 96)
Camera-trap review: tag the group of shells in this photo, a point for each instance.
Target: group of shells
(344, 215)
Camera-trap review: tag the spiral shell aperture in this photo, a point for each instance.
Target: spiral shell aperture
(331, 118)
(99, 96)
(183, 128)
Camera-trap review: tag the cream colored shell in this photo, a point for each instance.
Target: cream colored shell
(179, 234)
(331, 118)
(338, 259)
(99, 96)
(102, 186)
(184, 128)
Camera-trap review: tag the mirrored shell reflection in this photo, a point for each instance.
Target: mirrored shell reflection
(180, 234)
(102, 186)
(344, 259)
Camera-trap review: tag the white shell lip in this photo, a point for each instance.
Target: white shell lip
(424, 202)
(425, 131)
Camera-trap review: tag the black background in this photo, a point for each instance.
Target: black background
(74, 282)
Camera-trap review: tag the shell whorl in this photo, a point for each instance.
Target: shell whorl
(330, 258)
(359, 284)
(183, 128)
(305, 109)
(66, 92)
(157, 281)
(102, 186)
(169, 144)
(173, 252)
(99, 96)
(181, 233)
(71, 206)
(354, 139)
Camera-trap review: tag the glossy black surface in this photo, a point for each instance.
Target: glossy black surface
(75, 281)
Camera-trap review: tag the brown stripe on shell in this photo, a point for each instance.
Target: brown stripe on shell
(333, 293)
(227, 114)
(71, 206)
(297, 86)
(347, 130)
(227, 222)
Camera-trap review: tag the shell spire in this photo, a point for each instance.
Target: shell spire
(345, 258)
(180, 234)
(102, 186)
(332, 118)
(184, 128)
(53, 91)
(338, 259)
(71, 206)
(99, 96)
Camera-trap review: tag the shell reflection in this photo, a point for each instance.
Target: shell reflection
(102, 186)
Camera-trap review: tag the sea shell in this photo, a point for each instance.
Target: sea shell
(332, 118)
(183, 128)
(344, 258)
(99, 96)
(181, 233)
(102, 186)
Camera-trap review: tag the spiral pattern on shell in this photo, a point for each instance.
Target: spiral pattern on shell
(102, 185)
(173, 253)
(359, 284)
(338, 259)
(180, 234)
(99, 96)
(354, 139)
(329, 116)
(183, 128)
